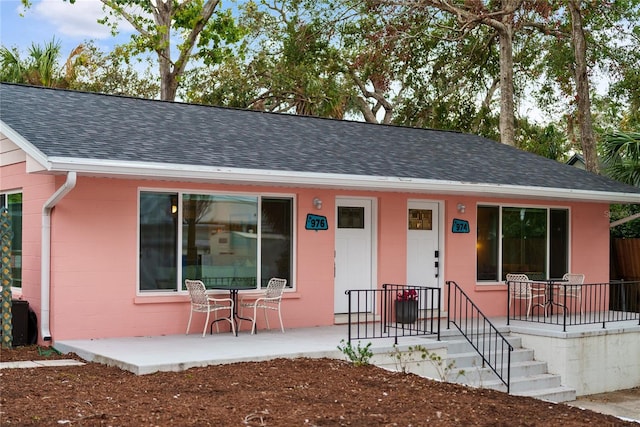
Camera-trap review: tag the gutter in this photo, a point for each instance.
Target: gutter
(45, 258)
(216, 174)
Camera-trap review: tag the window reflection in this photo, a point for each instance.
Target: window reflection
(219, 239)
(158, 241)
(526, 239)
(221, 235)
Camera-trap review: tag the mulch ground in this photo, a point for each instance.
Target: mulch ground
(280, 392)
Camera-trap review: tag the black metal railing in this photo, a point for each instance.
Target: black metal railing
(478, 330)
(559, 303)
(393, 311)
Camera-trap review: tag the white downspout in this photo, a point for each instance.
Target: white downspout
(45, 253)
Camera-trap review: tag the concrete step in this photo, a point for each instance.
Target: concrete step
(556, 394)
(529, 377)
(477, 376)
(461, 345)
(472, 359)
(526, 384)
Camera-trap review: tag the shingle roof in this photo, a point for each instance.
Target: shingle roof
(69, 124)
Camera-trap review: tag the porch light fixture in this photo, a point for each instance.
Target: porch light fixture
(317, 203)
(461, 208)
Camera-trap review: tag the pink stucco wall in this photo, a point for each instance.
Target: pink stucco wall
(94, 253)
(36, 189)
(588, 251)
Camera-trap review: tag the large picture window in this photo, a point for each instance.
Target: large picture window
(13, 202)
(533, 241)
(223, 239)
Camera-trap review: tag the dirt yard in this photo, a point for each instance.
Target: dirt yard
(282, 392)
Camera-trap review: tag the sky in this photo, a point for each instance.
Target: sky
(71, 24)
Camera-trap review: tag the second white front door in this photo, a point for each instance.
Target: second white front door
(423, 260)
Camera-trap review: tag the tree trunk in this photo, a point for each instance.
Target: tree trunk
(168, 84)
(587, 137)
(507, 115)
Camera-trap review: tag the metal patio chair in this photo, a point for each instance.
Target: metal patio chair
(572, 288)
(201, 302)
(270, 299)
(522, 288)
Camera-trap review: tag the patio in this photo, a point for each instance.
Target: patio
(148, 354)
(144, 355)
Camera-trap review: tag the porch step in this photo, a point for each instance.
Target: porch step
(458, 344)
(529, 377)
(479, 376)
(555, 394)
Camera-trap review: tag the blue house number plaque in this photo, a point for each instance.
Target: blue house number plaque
(460, 226)
(316, 222)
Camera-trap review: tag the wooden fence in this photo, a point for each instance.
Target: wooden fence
(625, 265)
(625, 259)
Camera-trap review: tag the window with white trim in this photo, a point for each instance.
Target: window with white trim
(529, 240)
(13, 202)
(217, 238)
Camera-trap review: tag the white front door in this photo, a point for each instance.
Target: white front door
(353, 252)
(423, 247)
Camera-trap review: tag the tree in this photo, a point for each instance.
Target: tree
(41, 67)
(547, 141)
(582, 41)
(622, 157)
(357, 59)
(500, 16)
(204, 33)
(622, 163)
(290, 68)
(107, 73)
(587, 137)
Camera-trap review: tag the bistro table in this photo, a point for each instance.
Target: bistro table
(233, 289)
(550, 285)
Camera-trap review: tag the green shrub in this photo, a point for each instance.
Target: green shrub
(359, 355)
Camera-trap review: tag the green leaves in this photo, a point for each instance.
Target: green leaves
(359, 356)
(622, 156)
(42, 65)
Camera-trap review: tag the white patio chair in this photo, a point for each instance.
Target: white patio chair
(572, 288)
(203, 303)
(522, 288)
(270, 299)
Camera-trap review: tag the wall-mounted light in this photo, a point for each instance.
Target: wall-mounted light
(317, 203)
(461, 208)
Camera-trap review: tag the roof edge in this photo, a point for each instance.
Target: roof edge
(24, 145)
(218, 174)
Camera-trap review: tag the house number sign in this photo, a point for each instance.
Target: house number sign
(316, 222)
(460, 226)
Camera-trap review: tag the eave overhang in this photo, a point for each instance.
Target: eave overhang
(225, 175)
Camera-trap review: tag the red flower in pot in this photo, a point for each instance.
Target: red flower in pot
(408, 295)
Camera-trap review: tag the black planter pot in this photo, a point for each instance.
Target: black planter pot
(406, 311)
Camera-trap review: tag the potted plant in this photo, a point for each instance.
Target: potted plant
(407, 306)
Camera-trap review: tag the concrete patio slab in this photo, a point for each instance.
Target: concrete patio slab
(144, 355)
